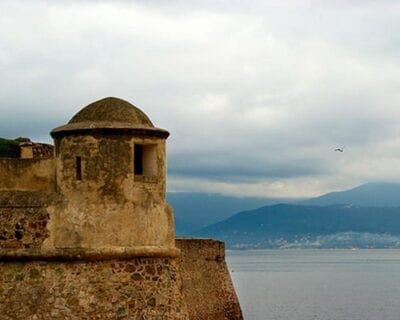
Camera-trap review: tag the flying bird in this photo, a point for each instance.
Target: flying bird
(340, 149)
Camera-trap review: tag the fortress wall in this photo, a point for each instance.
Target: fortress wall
(207, 285)
(88, 234)
(23, 228)
(136, 288)
(27, 174)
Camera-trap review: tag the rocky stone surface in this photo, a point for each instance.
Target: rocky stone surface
(42, 150)
(140, 288)
(23, 228)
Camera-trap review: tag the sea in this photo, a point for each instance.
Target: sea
(305, 284)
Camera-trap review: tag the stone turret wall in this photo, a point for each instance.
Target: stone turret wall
(105, 204)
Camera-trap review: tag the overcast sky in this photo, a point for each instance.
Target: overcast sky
(256, 94)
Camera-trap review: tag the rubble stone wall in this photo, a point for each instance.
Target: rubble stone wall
(23, 228)
(42, 150)
(137, 288)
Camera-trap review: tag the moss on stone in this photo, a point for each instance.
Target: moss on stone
(20, 277)
(136, 276)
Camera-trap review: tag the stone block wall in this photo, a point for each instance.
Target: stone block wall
(136, 288)
(196, 286)
(39, 282)
(206, 282)
(42, 283)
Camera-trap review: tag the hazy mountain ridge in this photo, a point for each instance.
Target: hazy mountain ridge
(376, 194)
(194, 211)
(283, 225)
(367, 216)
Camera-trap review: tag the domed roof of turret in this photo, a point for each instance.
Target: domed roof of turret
(112, 110)
(110, 114)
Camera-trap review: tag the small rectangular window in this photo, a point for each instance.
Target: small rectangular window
(145, 161)
(138, 162)
(78, 168)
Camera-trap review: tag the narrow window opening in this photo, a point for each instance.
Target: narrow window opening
(145, 162)
(138, 159)
(78, 168)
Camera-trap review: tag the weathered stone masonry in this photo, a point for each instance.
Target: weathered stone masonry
(23, 228)
(136, 288)
(87, 233)
(207, 286)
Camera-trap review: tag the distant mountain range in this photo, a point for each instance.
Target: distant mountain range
(366, 195)
(194, 211)
(283, 225)
(367, 216)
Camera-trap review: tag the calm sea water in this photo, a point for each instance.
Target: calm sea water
(317, 284)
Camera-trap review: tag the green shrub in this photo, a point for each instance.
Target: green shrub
(9, 148)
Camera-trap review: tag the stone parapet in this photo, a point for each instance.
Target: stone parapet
(88, 254)
(27, 174)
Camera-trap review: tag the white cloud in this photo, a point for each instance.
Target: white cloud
(256, 95)
(269, 188)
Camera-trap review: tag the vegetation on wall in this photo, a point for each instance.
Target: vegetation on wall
(9, 148)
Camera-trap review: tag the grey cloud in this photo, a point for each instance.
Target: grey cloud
(236, 167)
(248, 92)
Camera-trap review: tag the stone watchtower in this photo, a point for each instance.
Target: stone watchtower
(86, 233)
(111, 167)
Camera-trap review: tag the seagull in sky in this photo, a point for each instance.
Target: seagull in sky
(340, 149)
